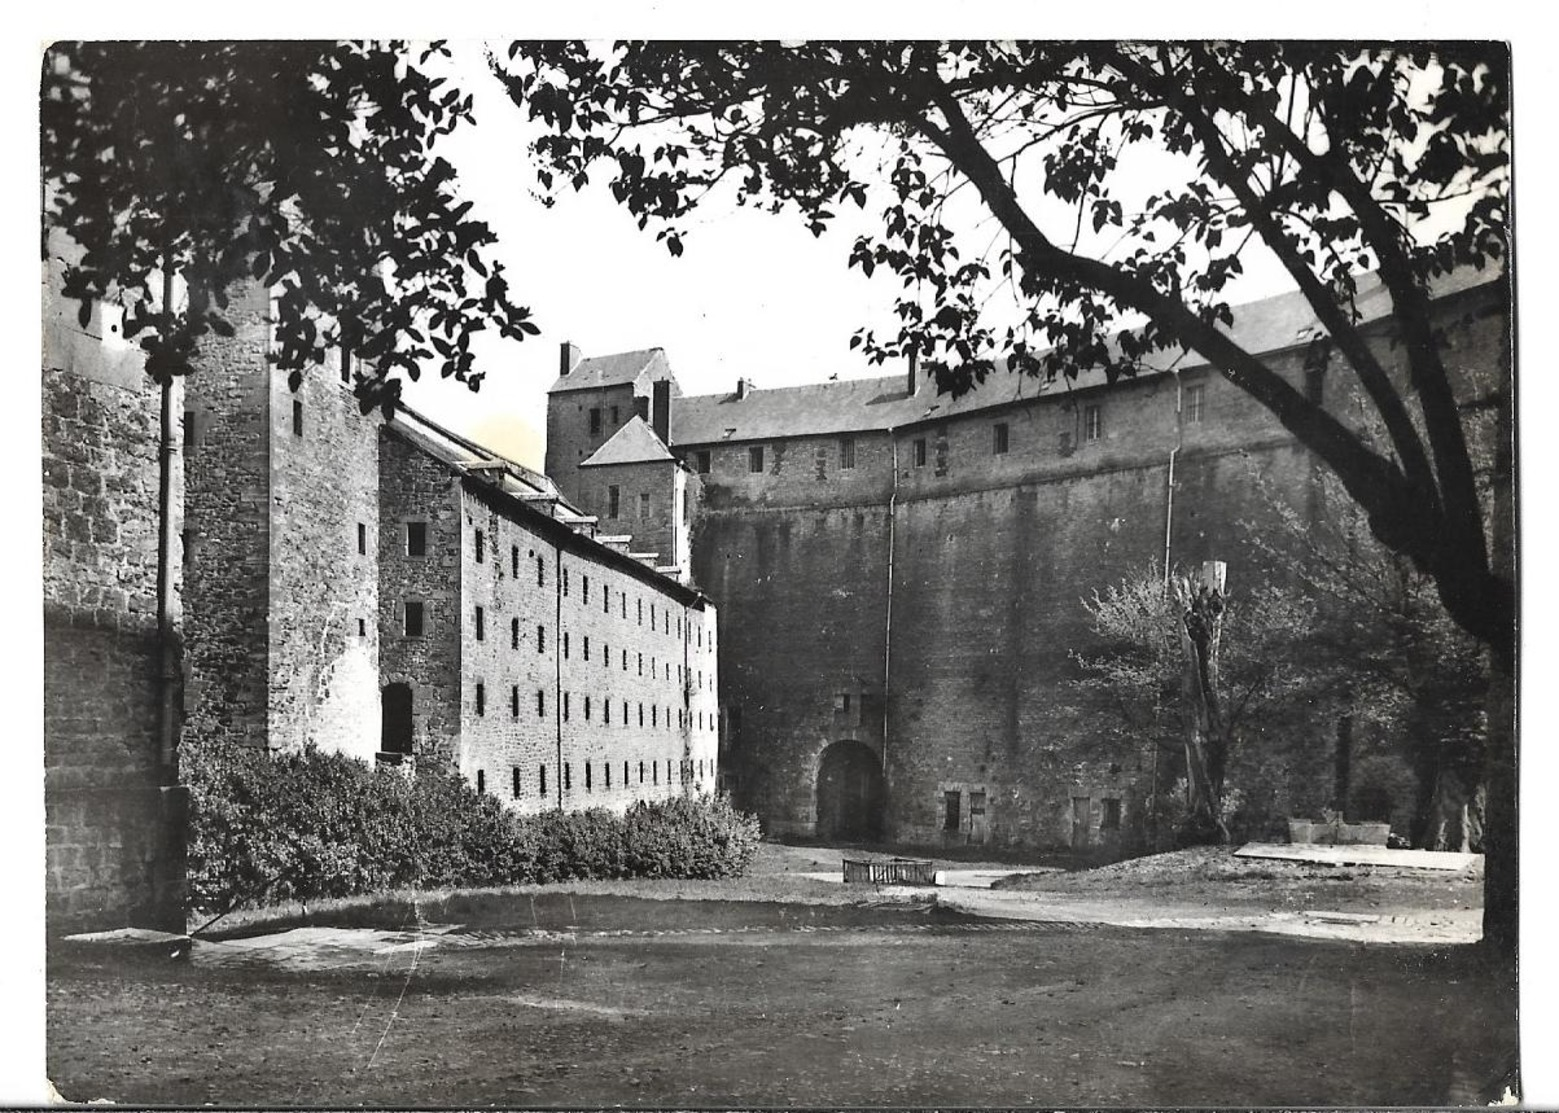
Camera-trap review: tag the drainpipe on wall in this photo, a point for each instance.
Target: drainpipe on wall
(557, 664)
(887, 625)
(1169, 526)
(1169, 498)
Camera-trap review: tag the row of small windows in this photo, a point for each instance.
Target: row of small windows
(1193, 412)
(660, 717)
(688, 769)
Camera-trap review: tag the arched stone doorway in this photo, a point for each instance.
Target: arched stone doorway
(395, 719)
(849, 793)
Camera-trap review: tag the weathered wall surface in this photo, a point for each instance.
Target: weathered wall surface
(993, 552)
(414, 488)
(113, 856)
(802, 599)
(323, 587)
(650, 505)
(511, 740)
(227, 522)
(569, 439)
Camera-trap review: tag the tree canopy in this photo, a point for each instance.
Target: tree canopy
(311, 167)
(1336, 159)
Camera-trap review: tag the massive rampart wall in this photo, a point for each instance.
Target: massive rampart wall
(992, 555)
(113, 856)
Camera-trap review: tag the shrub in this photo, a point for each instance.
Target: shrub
(302, 826)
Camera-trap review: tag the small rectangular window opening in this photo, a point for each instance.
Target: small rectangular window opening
(952, 803)
(999, 439)
(297, 418)
(702, 459)
(416, 539)
(362, 539)
(846, 452)
(755, 458)
(920, 453)
(413, 625)
(481, 624)
(481, 547)
(481, 698)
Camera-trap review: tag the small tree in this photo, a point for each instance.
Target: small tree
(1159, 636)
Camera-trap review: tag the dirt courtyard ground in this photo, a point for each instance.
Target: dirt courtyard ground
(783, 989)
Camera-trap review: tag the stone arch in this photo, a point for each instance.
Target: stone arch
(395, 733)
(850, 792)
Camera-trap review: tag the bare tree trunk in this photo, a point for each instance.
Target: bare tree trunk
(1206, 732)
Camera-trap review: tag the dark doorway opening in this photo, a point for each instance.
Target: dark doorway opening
(849, 793)
(395, 719)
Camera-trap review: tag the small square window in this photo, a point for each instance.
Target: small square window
(920, 453)
(701, 461)
(999, 439)
(413, 625)
(755, 459)
(416, 539)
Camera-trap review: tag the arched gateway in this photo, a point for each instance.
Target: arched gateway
(849, 793)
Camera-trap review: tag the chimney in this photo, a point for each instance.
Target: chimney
(660, 409)
(743, 389)
(914, 372)
(568, 357)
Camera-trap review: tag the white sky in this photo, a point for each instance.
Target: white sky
(752, 295)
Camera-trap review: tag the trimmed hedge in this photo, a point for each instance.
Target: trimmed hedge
(307, 825)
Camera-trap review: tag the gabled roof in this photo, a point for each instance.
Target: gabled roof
(877, 404)
(613, 370)
(634, 443)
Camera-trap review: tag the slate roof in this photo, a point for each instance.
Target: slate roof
(612, 370)
(634, 443)
(877, 404)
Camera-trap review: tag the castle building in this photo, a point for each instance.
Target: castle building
(382, 588)
(901, 573)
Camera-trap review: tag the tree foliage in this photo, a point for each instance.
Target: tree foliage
(1266, 684)
(1335, 158)
(310, 167)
